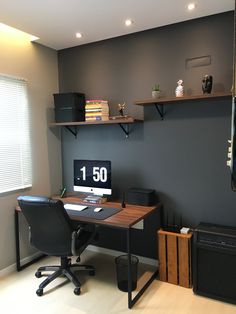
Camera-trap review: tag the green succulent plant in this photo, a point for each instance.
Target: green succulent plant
(156, 88)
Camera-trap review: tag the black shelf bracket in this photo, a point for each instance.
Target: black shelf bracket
(160, 109)
(73, 131)
(125, 129)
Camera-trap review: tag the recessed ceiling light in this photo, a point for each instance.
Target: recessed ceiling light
(191, 6)
(78, 35)
(128, 22)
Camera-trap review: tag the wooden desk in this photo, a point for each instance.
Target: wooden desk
(125, 219)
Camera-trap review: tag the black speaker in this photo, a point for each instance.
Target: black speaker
(214, 262)
(69, 107)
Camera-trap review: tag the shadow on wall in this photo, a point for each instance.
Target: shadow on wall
(122, 181)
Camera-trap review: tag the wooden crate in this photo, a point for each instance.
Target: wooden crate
(175, 258)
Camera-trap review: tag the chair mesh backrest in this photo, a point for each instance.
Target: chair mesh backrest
(50, 226)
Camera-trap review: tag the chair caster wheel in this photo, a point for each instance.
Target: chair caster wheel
(38, 274)
(92, 273)
(77, 291)
(39, 292)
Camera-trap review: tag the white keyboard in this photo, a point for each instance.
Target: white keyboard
(75, 207)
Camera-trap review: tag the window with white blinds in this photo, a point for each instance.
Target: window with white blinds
(15, 148)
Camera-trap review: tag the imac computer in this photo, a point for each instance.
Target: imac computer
(92, 176)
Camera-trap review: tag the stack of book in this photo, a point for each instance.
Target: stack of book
(96, 110)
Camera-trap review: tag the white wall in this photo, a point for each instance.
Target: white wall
(38, 65)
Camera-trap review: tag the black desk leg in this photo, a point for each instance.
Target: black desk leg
(129, 270)
(131, 301)
(19, 267)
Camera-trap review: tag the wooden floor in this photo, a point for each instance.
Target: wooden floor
(99, 294)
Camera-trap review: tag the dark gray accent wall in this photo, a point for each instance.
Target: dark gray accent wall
(183, 157)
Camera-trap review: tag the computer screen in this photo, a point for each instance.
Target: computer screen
(92, 176)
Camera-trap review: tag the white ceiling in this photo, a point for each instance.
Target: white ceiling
(55, 22)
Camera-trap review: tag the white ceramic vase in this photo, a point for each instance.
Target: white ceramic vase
(155, 94)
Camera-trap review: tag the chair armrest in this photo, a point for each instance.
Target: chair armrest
(80, 240)
(74, 236)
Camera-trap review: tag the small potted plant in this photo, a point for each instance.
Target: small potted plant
(156, 91)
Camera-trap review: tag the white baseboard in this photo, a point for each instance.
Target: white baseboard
(144, 260)
(12, 268)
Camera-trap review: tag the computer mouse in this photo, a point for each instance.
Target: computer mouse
(97, 209)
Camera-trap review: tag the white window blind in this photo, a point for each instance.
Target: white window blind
(15, 150)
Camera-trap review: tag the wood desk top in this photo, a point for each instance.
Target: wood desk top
(125, 218)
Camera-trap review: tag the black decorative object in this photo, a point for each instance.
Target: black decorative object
(121, 108)
(207, 84)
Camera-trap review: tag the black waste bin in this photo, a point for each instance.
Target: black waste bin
(122, 272)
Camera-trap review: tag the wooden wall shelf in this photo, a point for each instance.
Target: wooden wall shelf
(122, 122)
(160, 102)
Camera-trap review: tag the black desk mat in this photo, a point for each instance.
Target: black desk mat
(89, 212)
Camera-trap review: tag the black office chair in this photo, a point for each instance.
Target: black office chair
(52, 233)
